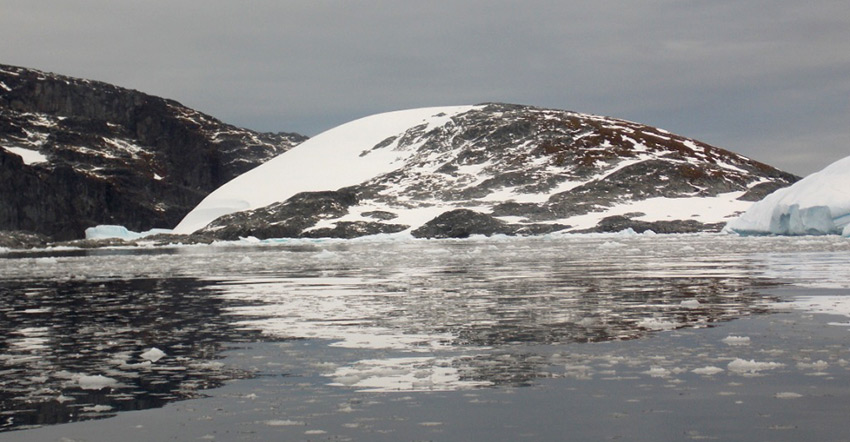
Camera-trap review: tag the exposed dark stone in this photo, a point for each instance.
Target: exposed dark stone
(288, 219)
(461, 223)
(618, 223)
(114, 156)
(21, 240)
(380, 214)
(761, 190)
(539, 229)
(354, 229)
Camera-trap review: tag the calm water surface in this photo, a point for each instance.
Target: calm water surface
(424, 325)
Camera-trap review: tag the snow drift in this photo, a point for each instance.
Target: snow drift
(816, 205)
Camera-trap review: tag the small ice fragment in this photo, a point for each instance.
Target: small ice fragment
(153, 355)
(96, 382)
(690, 303)
(819, 365)
(611, 245)
(788, 395)
(656, 324)
(736, 340)
(742, 366)
(658, 372)
(284, 423)
(707, 371)
(98, 408)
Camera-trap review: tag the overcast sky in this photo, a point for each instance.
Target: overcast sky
(766, 78)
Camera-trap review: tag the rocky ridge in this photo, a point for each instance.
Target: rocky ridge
(511, 169)
(78, 153)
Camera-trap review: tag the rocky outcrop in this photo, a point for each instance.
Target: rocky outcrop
(295, 218)
(76, 153)
(463, 223)
(619, 223)
(21, 240)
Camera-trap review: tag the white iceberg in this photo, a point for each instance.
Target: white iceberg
(816, 205)
(120, 232)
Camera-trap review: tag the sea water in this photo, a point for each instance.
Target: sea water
(589, 337)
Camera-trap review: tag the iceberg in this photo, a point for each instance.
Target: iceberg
(120, 232)
(816, 205)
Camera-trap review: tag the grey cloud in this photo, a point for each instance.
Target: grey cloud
(767, 79)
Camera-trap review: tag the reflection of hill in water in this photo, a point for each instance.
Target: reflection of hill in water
(72, 350)
(481, 318)
(418, 315)
(592, 310)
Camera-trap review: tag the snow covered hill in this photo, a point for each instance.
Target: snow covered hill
(77, 153)
(492, 168)
(819, 204)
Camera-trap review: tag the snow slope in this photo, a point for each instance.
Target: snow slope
(331, 160)
(818, 204)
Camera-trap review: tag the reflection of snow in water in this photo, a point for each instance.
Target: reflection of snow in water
(419, 315)
(403, 374)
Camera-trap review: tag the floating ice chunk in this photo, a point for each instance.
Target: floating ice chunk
(284, 423)
(690, 303)
(736, 340)
(153, 355)
(707, 371)
(820, 365)
(816, 205)
(788, 395)
(657, 324)
(742, 366)
(98, 408)
(658, 372)
(611, 245)
(120, 232)
(95, 382)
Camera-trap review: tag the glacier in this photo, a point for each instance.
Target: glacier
(819, 204)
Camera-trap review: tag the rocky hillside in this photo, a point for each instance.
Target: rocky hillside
(487, 169)
(77, 153)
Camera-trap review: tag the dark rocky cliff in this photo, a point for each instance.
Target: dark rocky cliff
(77, 153)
